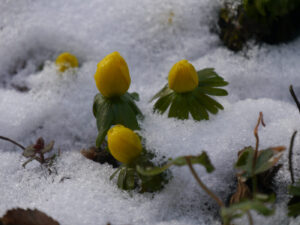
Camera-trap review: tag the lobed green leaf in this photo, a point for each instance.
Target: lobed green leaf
(294, 203)
(118, 110)
(202, 159)
(237, 210)
(197, 102)
(163, 103)
(179, 107)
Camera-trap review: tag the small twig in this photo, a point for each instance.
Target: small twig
(294, 97)
(260, 120)
(291, 157)
(12, 141)
(202, 185)
(249, 218)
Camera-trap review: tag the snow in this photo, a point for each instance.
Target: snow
(151, 36)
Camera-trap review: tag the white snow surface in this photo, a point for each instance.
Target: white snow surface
(151, 35)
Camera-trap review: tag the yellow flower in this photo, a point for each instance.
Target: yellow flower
(65, 61)
(183, 77)
(112, 76)
(123, 144)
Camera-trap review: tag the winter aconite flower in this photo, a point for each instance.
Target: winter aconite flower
(188, 92)
(183, 77)
(66, 61)
(114, 105)
(124, 144)
(112, 75)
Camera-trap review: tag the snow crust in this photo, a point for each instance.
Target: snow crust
(151, 36)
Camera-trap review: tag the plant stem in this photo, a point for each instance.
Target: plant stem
(202, 185)
(294, 97)
(260, 120)
(254, 179)
(249, 217)
(12, 141)
(291, 157)
(42, 158)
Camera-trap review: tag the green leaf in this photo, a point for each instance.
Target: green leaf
(209, 78)
(135, 96)
(129, 180)
(98, 101)
(213, 83)
(104, 117)
(179, 107)
(213, 91)
(294, 203)
(117, 110)
(263, 162)
(266, 159)
(207, 74)
(202, 159)
(164, 91)
(210, 107)
(48, 147)
(295, 190)
(122, 178)
(202, 110)
(196, 110)
(294, 209)
(115, 173)
(195, 102)
(123, 114)
(237, 210)
(245, 160)
(248, 205)
(130, 101)
(103, 128)
(151, 171)
(206, 100)
(260, 7)
(163, 103)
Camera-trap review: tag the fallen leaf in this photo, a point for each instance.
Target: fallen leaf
(27, 217)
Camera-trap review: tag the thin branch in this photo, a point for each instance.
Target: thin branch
(202, 185)
(294, 97)
(291, 157)
(12, 141)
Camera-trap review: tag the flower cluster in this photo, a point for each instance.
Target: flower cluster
(117, 114)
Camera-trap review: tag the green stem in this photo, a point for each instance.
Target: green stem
(202, 185)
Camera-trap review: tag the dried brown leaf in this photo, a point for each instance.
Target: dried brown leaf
(242, 192)
(100, 155)
(27, 217)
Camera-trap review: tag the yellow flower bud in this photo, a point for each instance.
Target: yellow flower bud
(65, 61)
(112, 76)
(183, 77)
(123, 144)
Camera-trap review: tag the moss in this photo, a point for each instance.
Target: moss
(270, 22)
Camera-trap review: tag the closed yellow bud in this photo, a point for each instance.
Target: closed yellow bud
(112, 75)
(123, 144)
(66, 61)
(183, 77)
